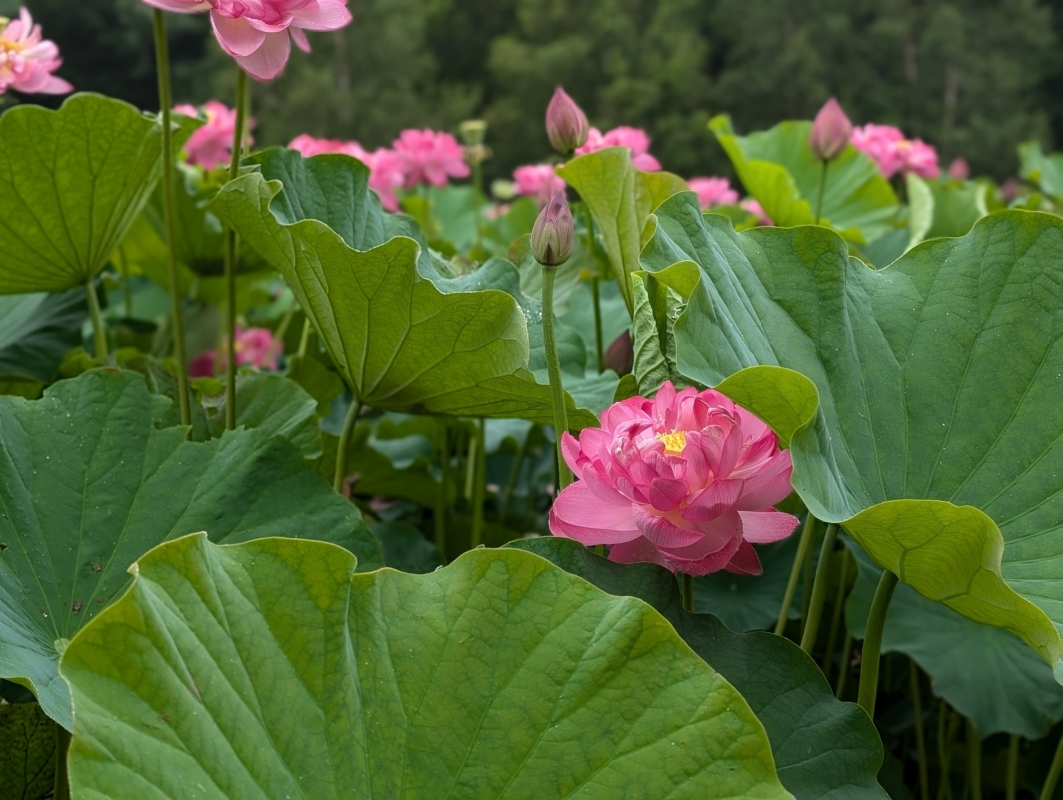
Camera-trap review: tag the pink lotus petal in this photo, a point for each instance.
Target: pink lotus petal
(765, 527)
(576, 514)
(300, 39)
(322, 15)
(745, 561)
(661, 531)
(665, 494)
(237, 37)
(268, 61)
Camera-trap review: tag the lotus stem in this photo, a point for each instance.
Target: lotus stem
(819, 590)
(349, 424)
(440, 515)
(869, 657)
(687, 585)
(974, 761)
(1011, 781)
(479, 487)
(162, 60)
(795, 572)
(127, 285)
(843, 667)
(99, 332)
(599, 345)
(836, 617)
(1053, 773)
(304, 340)
(822, 189)
(920, 735)
(232, 255)
(62, 777)
(564, 476)
(514, 477)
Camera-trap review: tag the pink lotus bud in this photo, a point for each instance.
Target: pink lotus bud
(958, 169)
(566, 124)
(620, 355)
(552, 234)
(830, 132)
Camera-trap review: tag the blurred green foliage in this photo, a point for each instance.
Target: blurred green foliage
(973, 77)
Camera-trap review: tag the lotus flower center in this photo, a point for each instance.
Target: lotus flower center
(674, 442)
(10, 46)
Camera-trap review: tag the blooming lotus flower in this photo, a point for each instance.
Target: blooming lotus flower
(566, 124)
(635, 139)
(888, 147)
(429, 157)
(256, 32)
(538, 181)
(713, 192)
(958, 169)
(254, 346)
(553, 233)
(686, 480)
(26, 60)
(918, 157)
(385, 167)
(757, 210)
(830, 132)
(212, 145)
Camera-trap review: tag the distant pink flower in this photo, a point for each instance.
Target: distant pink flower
(757, 210)
(686, 480)
(713, 192)
(959, 170)
(1009, 190)
(212, 145)
(254, 346)
(256, 32)
(430, 157)
(918, 157)
(27, 61)
(635, 139)
(385, 168)
(888, 147)
(538, 181)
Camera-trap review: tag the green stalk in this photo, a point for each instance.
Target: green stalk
(1053, 773)
(795, 572)
(62, 777)
(822, 189)
(340, 475)
(974, 761)
(514, 477)
(869, 657)
(470, 468)
(564, 476)
(843, 667)
(99, 332)
(477, 182)
(441, 497)
(1011, 782)
(232, 256)
(479, 488)
(127, 281)
(162, 60)
(687, 586)
(304, 340)
(595, 293)
(920, 735)
(819, 590)
(836, 617)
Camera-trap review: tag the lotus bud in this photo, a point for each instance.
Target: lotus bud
(566, 124)
(830, 132)
(620, 355)
(958, 170)
(552, 234)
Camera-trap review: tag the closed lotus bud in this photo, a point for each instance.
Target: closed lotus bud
(620, 356)
(830, 132)
(552, 234)
(566, 124)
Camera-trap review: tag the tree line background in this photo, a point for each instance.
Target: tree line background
(973, 77)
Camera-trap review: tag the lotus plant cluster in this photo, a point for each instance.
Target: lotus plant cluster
(329, 470)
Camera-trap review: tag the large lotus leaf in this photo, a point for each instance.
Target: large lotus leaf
(272, 670)
(937, 440)
(823, 748)
(274, 405)
(957, 206)
(1044, 170)
(88, 483)
(778, 168)
(399, 341)
(38, 330)
(71, 183)
(1010, 691)
(621, 199)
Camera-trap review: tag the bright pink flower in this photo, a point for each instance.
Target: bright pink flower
(430, 157)
(212, 145)
(757, 210)
(307, 146)
(918, 157)
(686, 480)
(713, 192)
(635, 139)
(27, 61)
(959, 170)
(538, 181)
(254, 346)
(256, 32)
(888, 147)
(385, 168)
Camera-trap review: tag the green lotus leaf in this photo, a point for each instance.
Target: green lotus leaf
(272, 669)
(38, 330)
(89, 482)
(71, 183)
(823, 748)
(937, 441)
(404, 337)
(1044, 170)
(778, 168)
(27, 752)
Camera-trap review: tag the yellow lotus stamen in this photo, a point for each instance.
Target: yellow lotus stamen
(674, 442)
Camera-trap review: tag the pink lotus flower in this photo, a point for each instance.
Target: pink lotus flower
(635, 139)
(959, 170)
(256, 32)
(918, 157)
(757, 210)
(385, 167)
(713, 192)
(26, 60)
(686, 480)
(254, 346)
(538, 181)
(430, 157)
(888, 147)
(212, 145)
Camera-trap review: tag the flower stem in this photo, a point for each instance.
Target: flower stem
(920, 735)
(1053, 773)
(819, 590)
(869, 657)
(836, 617)
(162, 59)
(564, 476)
(99, 332)
(479, 488)
(687, 585)
(62, 776)
(304, 340)
(127, 281)
(440, 515)
(795, 572)
(843, 667)
(231, 258)
(340, 475)
(514, 476)
(1011, 781)
(596, 294)
(974, 761)
(822, 189)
